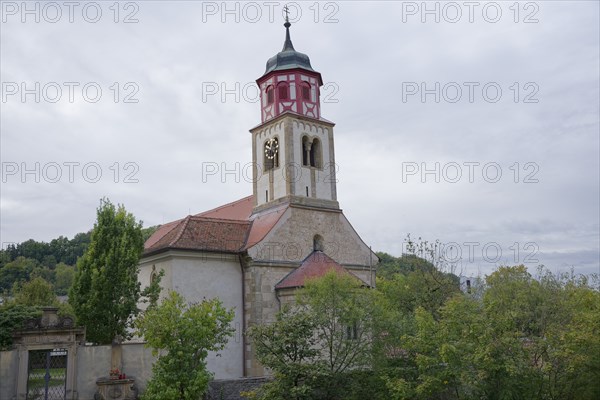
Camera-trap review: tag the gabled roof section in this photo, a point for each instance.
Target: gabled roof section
(316, 265)
(229, 228)
(160, 233)
(263, 223)
(203, 234)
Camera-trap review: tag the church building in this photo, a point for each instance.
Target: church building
(253, 253)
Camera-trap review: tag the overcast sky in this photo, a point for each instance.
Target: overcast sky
(473, 90)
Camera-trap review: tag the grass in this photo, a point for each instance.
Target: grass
(57, 377)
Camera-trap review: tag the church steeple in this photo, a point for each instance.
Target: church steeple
(287, 45)
(293, 145)
(289, 83)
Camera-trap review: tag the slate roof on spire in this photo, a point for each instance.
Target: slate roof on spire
(288, 57)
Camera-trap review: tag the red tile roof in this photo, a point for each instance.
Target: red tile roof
(262, 224)
(316, 265)
(239, 210)
(229, 228)
(199, 233)
(160, 232)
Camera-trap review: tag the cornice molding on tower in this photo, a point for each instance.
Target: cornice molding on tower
(293, 116)
(301, 202)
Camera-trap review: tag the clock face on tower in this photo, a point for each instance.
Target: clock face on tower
(271, 148)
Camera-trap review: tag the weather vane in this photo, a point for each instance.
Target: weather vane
(286, 10)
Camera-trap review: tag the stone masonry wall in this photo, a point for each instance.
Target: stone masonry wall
(230, 389)
(93, 362)
(261, 305)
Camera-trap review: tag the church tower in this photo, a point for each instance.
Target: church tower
(256, 252)
(293, 150)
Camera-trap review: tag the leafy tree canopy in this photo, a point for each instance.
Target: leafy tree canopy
(37, 292)
(106, 291)
(525, 338)
(21, 262)
(188, 332)
(12, 317)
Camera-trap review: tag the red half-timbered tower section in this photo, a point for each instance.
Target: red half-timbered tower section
(289, 84)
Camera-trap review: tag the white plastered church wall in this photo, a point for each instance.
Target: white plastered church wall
(200, 275)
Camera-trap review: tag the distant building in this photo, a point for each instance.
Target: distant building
(254, 252)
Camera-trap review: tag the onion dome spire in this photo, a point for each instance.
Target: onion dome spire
(287, 45)
(288, 57)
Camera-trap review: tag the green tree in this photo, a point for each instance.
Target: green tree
(77, 247)
(64, 278)
(389, 266)
(420, 278)
(37, 292)
(187, 333)
(24, 261)
(33, 249)
(329, 336)
(27, 302)
(346, 315)
(106, 291)
(44, 272)
(288, 347)
(526, 337)
(16, 271)
(8, 254)
(12, 317)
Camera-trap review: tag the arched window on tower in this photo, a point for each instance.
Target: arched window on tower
(318, 243)
(271, 154)
(270, 97)
(305, 91)
(283, 91)
(315, 154)
(305, 151)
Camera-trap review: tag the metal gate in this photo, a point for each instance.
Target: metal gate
(47, 375)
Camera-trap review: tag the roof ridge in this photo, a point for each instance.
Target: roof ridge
(224, 205)
(326, 260)
(186, 221)
(283, 208)
(225, 220)
(303, 265)
(170, 225)
(310, 255)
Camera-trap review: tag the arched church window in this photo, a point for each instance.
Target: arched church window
(271, 150)
(315, 154)
(270, 95)
(283, 91)
(305, 91)
(153, 274)
(318, 243)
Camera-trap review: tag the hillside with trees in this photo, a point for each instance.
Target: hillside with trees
(53, 261)
(33, 275)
